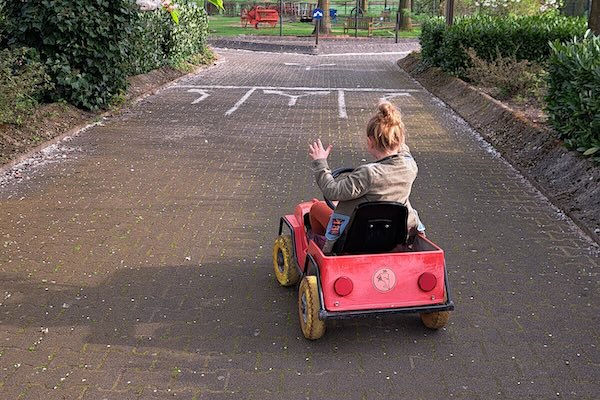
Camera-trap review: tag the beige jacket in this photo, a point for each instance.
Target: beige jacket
(388, 179)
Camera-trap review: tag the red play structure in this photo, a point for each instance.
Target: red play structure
(259, 15)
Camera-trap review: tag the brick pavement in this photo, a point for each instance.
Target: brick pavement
(136, 261)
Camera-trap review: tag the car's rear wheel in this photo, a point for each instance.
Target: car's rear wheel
(308, 309)
(435, 320)
(284, 264)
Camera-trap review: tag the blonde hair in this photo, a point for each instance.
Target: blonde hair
(386, 127)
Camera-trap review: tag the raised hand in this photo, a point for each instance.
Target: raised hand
(316, 150)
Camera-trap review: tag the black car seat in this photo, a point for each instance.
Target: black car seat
(374, 227)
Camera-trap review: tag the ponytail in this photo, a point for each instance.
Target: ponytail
(386, 127)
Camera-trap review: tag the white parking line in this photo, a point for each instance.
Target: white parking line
(240, 102)
(342, 104)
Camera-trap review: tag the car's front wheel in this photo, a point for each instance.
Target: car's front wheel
(308, 309)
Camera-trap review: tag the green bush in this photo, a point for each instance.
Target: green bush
(156, 41)
(2, 22)
(91, 46)
(432, 39)
(505, 77)
(526, 38)
(573, 101)
(189, 36)
(23, 80)
(80, 42)
(147, 47)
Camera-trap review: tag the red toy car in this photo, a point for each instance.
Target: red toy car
(372, 270)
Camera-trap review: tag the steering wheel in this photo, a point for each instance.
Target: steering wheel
(336, 173)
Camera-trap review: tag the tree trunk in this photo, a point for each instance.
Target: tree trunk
(449, 12)
(364, 5)
(405, 21)
(325, 21)
(594, 20)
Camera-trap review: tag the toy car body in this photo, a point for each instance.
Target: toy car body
(407, 279)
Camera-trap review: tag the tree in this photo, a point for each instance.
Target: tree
(364, 5)
(449, 12)
(325, 28)
(405, 21)
(594, 19)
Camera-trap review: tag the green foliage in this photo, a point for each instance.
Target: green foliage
(90, 46)
(80, 42)
(573, 101)
(147, 44)
(432, 40)
(2, 21)
(524, 37)
(200, 3)
(23, 80)
(188, 37)
(156, 41)
(505, 77)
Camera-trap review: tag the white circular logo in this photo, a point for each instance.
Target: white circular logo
(384, 280)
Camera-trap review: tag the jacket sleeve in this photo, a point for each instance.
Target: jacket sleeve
(350, 187)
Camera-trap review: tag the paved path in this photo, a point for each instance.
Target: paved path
(136, 259)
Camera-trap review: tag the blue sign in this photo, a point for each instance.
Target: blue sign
(317, 13)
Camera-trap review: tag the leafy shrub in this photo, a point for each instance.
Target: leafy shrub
(23, 80)
(189, 36)
(573, 101)
(91, 46)
(2, 22)
(524, 37)
(505, 77)
(432, 39)
(80, 42)
(156, 41)
(147, 45)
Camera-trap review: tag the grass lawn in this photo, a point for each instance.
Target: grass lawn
(230, 26)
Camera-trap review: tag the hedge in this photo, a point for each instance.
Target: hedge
(432, 40)
(23, 80)
(89, 47)
(156, 41)
(525, 38)
(79, 41)
(573, 101)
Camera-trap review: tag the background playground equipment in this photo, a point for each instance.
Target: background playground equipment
(259, 15)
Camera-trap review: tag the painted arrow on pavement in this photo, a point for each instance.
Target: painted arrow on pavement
(202, 92)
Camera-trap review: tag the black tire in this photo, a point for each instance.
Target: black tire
(286, 270)
(308, 309)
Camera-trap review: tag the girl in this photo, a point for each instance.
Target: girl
(390, 178)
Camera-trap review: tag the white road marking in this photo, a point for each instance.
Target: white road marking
(293, 98)
(300, 88)
(365, 54)
(202, 92)
(342, 104)
(240, 101)
(392, 95)
(308, 67)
